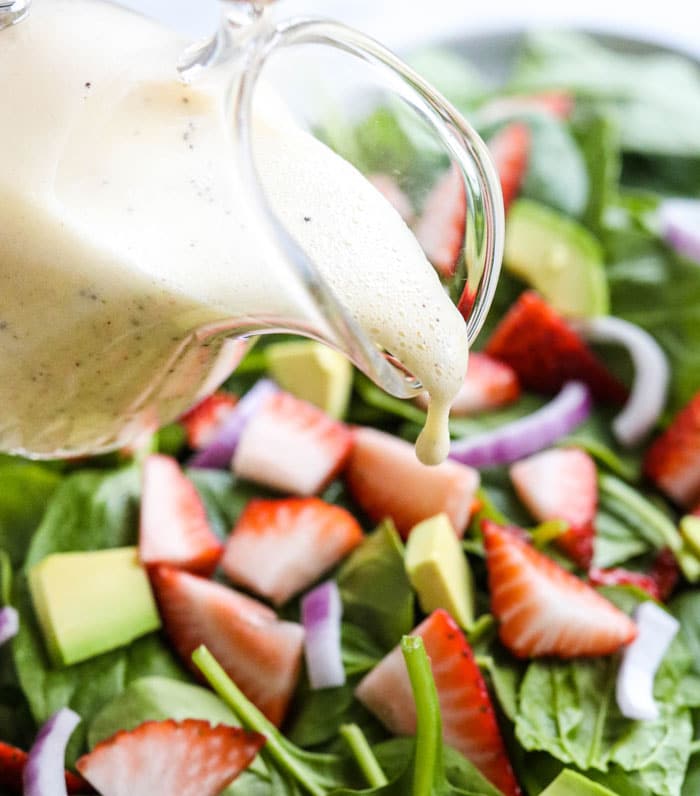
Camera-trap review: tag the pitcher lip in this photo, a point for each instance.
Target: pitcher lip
(485, 228)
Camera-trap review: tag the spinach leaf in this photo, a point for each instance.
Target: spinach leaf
(223, 496)
(658, 290)
(453, 76)
(556, 173)
(633, 89)
(25, 490)
(88, 511)
(375, 589)
(568, 710)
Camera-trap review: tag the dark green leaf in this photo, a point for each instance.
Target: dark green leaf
(375, 589)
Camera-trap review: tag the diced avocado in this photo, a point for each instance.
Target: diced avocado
(558, 257)
(89, 603)
(570, 783)
(312, 372)
(439, 571)
(690, 531)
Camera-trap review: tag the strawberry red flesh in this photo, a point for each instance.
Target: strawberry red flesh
(260, 653)
(543, 609)
(624, 577)
(489, 384)
(468, 718)
(163, 758)
(280, 547)
(673, 460)
(440, 229)
(292, 446)
(510, 150)
(546, 353)
(561, 484)
(174, 528)
(12, 763)
(203, 421)
(387, 480)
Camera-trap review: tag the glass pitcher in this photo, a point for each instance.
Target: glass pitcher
(166, 202)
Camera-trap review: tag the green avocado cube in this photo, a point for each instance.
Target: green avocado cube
(570, 783)
(690, 531)
(439, 571)
(557, 256)
(91, 602)
(313, 372)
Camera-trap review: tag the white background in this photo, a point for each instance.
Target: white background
(399, 23)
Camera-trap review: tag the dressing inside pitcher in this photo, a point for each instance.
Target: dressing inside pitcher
(135, 246)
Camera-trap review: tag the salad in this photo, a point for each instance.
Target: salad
(273, 596)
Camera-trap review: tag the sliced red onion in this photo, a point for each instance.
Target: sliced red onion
(529, 434)
(218, 453)
(680, 226)
(44, 774)
(321, 610)
(640, 660)
(9, 623)
(651, 374)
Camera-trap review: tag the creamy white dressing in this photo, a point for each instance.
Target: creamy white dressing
(124, 231)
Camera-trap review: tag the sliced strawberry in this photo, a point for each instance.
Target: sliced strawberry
(556, 103)
(542, 608)
(387, 480)
(174, 529)
(561, 484)
(510, 150)
(624, 577)
(665, 572)
(12, 763)
(487, 385)
(659, 582)
(280, 547)
(292, 446)
(440, 229)
(389, 189)
(673, 461)
(261, 654)
(203, 421)
(468, 719)
(187, 758)
(546, 353)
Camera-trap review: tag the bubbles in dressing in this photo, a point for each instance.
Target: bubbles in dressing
(125, 232)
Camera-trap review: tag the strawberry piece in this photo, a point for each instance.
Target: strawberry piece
(659, 582)
(487, 385)
(542, 608)
(162, 758)
(546, 353)
(260, 653)
(292, 446)
(665, 573)
(12, 763)
(510, 150)
(624, 577)
(440, 229)
(174, 528)
(389, 189)
(205, 419)
(468, 719)
(556, 103)
(673, 461)
(561, 484)
(280, 547)
(387, 480)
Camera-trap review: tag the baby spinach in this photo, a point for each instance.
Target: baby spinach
(568, 710)
(88, 511)
(634, 89)
(375, 589)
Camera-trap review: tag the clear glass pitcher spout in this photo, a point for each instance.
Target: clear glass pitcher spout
(167, 202)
